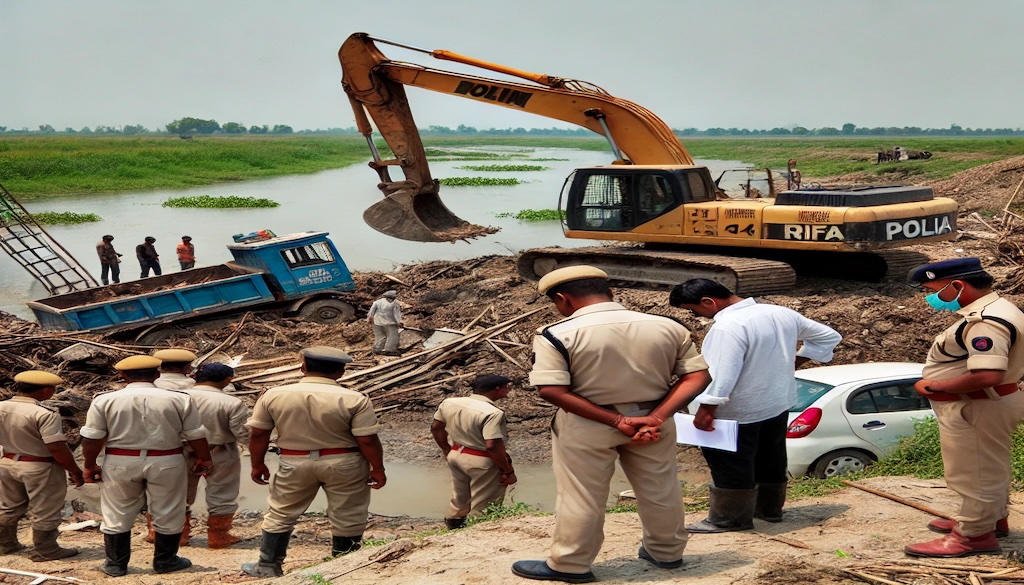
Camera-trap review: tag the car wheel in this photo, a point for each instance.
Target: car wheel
(841, 462)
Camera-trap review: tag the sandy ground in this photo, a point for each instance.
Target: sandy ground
(819, 537)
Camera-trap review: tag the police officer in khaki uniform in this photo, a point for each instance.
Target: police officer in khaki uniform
(224, 418)
(32, 470)
(327, 437)
(481, 469)
(971, 378)
(139, 430)
(617, 377)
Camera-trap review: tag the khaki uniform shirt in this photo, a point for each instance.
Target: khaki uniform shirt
(174, 381)
(142, 416)
(986, 341)
(315, 413)
(615, 356)
(26, 427)
(223, 415)
(472, 420)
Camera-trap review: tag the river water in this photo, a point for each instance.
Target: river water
(331, 201)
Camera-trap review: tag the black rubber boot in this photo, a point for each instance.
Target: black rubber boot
(454, 523)
(273, 549)
(771, 497)
(165, 554)
(728, 511)
(341, 545)
(9, 539)
(46, 547)
(118, 548)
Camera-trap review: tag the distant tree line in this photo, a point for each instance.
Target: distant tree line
(197, 126)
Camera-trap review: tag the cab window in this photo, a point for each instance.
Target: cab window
(655, 196)
(605, 204)
(308, 255)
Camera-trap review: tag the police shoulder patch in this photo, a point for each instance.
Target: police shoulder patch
(982, 343)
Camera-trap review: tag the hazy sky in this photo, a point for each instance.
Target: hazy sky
(746, 64)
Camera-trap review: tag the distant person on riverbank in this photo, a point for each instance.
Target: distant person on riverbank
(386, 317)
(224, 417)
(186, 253)
(35, 467)
(480, 467)
(326, 437)
(148, 258)
(110, 260)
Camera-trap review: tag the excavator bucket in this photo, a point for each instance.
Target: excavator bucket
(419, 217)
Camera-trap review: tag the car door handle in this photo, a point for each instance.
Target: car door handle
(874, 424)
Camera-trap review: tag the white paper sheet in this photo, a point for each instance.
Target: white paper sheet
(724, 436)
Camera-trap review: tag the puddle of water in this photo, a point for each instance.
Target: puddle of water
(412, 490)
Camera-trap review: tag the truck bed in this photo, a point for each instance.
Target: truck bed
(154, 300)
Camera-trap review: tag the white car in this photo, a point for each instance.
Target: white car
(847, 417)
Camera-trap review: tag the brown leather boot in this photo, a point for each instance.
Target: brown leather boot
(944, 526)
(186, 530)
(217, 534)
(46, 547)
(9, 539)
(955, 544)
(151, 535)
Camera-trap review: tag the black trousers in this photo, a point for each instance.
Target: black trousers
(147, 265)
(760, 456)
(113, 269)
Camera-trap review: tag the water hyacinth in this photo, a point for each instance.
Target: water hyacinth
(64, 217)
(210, 202)
(504, 168)
(536, 215)
(477, 182)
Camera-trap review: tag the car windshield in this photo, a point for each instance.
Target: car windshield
(807, 392)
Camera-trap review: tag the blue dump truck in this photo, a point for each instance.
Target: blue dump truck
(294, 274)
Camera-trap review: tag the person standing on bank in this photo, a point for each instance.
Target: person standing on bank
(327, 438)
(140, 429)
(186, 253)
(148, 258)
(32, 470)
(386, 317)
(971, 379)
(110, 260)
(481, 469)
(751, 351)
(224, 418)
(617, 377)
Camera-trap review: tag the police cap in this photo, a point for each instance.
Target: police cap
(326, 354)
(568, 274)
(38, 378)
(946, 269)
(137, 362)
(175, 356)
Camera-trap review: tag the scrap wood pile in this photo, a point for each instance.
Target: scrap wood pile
(916, 572)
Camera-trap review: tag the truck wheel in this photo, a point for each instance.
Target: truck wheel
(157, 336)
(328, 312)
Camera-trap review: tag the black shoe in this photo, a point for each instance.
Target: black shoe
(118, 548)
(165, 554)
(341, 545)
(540, 571)
(643, 554)
(454, 523)
(273, 548)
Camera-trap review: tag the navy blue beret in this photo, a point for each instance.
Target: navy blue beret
(214, 372)
(946, 269)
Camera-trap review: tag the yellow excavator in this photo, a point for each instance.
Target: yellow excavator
(652, 196)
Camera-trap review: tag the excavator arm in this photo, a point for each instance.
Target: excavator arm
(412, 208)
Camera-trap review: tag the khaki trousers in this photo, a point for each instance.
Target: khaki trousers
(475, 484)
(584, 454)
(36, 488)
(222, 484)
(128, 482)
(976, 436)
(297, 481)
(385, 338)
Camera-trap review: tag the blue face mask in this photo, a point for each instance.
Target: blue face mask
(940, 305)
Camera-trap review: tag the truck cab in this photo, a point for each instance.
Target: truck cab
(298, 265)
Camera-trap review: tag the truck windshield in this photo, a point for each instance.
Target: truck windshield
(308, 255)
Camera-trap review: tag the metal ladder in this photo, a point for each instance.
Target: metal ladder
(28, 243)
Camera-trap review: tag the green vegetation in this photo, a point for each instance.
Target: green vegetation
(548, 159)
(64, 218)
(501, 511)
(477, 182)
(500, 168)
(210, 202)
(317, 578)
(536, 215)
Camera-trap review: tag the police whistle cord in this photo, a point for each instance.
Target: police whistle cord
(900, 500)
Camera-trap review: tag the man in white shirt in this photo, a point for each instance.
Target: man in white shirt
(751, 351)
(386, 317)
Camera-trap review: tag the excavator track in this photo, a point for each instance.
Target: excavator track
(663, 269)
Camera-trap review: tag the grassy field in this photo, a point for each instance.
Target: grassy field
(33, 167)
